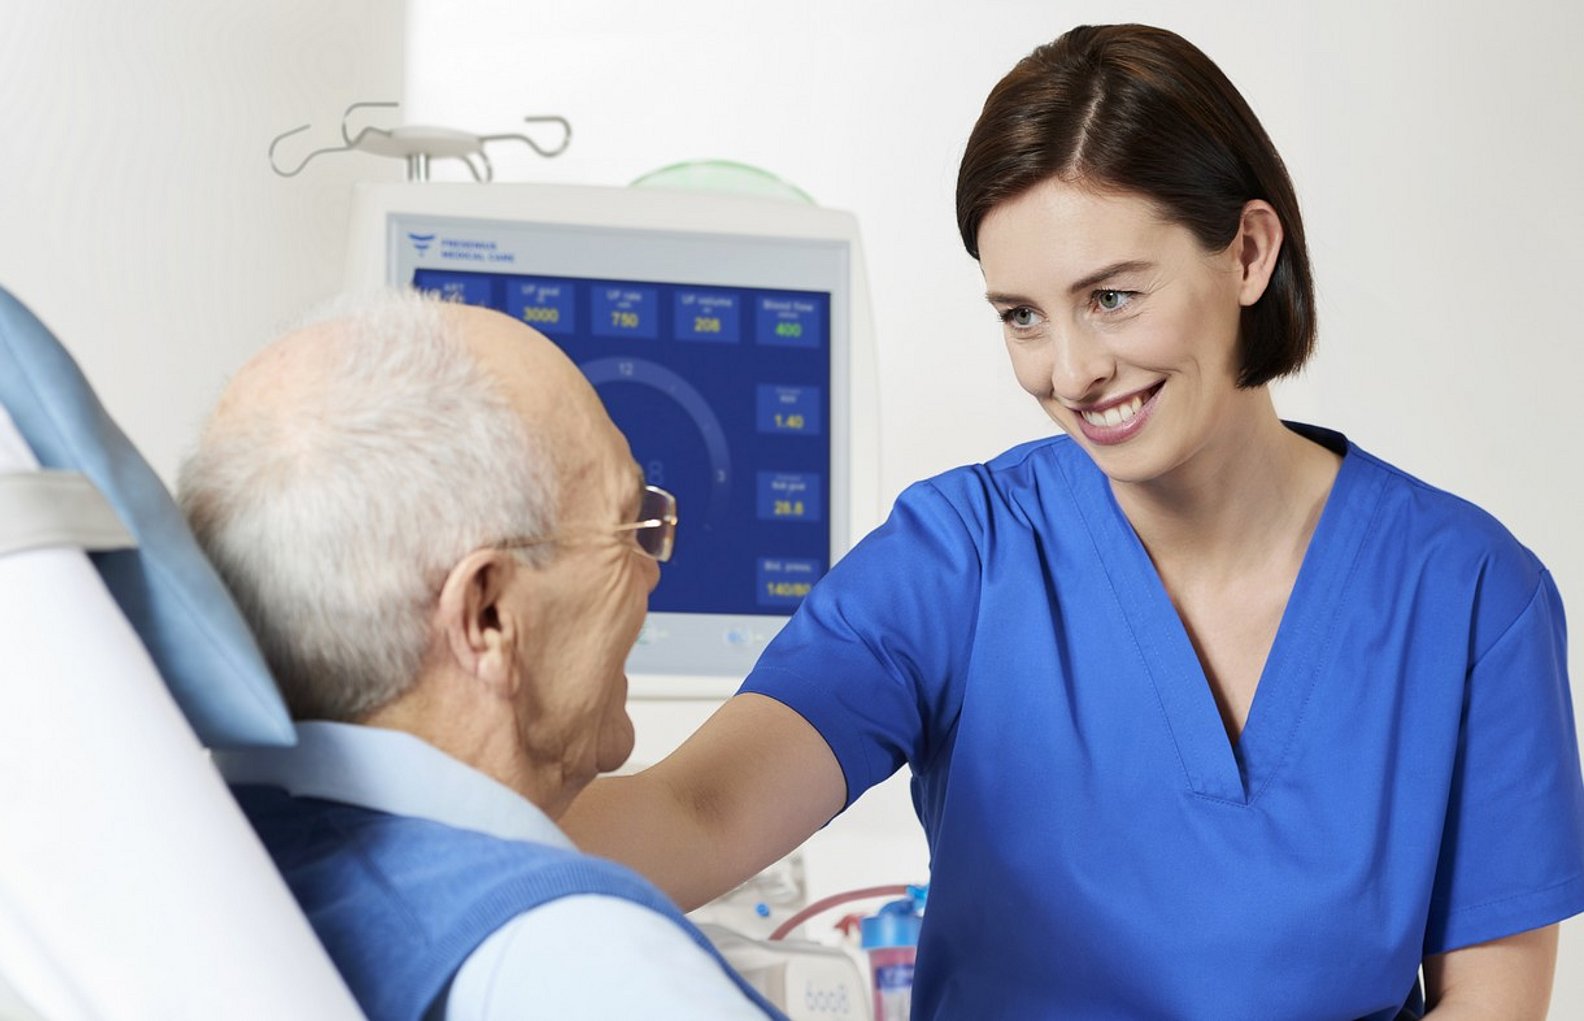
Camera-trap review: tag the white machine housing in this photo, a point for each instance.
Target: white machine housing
(808, 981)
(679, 237)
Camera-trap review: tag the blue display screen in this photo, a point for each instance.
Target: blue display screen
(724, 396)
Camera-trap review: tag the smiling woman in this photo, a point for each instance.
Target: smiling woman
(1143, 111)
(1156, 326)
(1210, 715)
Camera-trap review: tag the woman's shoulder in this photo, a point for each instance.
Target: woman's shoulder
(1007, 484)
(1449, 543)
(1022, 466)
(1408, 501)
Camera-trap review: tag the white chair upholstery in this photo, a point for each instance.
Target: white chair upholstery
(130, 884)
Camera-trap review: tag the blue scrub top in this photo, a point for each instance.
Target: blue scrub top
(1407, 781)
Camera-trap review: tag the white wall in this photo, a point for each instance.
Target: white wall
(138, 215)
(1435, 148)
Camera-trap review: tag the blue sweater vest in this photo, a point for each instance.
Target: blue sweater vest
(399, 903)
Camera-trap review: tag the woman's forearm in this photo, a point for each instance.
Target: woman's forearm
(1504, 980)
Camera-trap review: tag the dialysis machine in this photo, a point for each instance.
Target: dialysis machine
(730, 339)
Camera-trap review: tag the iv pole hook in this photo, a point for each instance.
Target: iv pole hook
(419, 145)
(348, 140)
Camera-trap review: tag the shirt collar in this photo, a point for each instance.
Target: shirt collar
(391, 771)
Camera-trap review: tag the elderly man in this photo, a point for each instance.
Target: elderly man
(446, 551)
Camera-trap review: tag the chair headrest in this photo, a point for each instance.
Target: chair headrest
(166, 587)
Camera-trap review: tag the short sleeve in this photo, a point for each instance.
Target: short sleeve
(1512, 853)
(874, 656)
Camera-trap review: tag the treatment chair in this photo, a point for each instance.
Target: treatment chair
(130, 884)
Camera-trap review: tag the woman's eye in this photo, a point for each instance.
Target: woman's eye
(1110, 301)
(1021, 317)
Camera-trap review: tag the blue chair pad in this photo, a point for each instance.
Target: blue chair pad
(166, 587)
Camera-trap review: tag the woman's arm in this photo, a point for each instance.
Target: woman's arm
(1506, 979)
(750, 786)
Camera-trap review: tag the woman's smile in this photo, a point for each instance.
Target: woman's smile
(1120, 419)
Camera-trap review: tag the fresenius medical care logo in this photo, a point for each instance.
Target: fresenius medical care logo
(421, 241)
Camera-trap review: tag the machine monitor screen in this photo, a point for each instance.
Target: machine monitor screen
(719, 359)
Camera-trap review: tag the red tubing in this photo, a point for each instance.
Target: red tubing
(826, 903)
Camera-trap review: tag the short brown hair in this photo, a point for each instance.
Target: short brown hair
(1141, 109)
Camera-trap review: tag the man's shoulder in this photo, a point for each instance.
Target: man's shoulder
(438, 851)
(594, 956)
(432, 871)
(423, 899)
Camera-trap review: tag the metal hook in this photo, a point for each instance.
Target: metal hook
(566, 135)
(348, 139)
(485, 175)
(306, 159)
(419, 145)
(350, 142)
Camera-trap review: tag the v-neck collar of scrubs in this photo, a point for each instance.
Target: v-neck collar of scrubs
(1213, 765)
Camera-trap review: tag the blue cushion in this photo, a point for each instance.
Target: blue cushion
(167, 589)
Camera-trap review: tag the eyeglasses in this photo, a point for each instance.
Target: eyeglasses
(654, 531)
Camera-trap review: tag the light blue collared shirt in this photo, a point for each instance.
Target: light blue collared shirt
(585, 956)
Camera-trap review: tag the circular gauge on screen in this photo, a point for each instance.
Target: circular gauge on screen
(660, 413)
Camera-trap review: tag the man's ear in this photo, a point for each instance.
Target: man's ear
(480, 633)
(1257, 244)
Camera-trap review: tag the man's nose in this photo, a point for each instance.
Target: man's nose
(1081, 364)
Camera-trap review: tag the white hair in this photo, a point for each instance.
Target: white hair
(336, 518)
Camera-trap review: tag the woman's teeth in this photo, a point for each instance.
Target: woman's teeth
(1115, 415)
